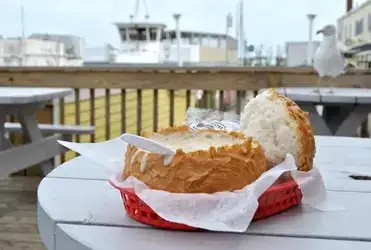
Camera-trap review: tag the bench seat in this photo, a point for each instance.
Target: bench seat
(12, 127)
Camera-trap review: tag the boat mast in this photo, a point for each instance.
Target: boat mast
(22, 36)
(133, 18)
(241, 40)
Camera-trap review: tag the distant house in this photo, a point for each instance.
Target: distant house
(354, 31)
(296, 53)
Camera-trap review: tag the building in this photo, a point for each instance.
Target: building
(296, 53)
(148, 42)
(354, 31)
(73, 46)
(209, 47)
(31, 52)
(106, 53)
(42, 50)
(1, 51)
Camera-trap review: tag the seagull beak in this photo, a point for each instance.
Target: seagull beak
(319, 31)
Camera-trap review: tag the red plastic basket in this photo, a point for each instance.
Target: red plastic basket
(276, 199)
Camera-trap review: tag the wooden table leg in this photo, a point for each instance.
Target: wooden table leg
(335, 114)
(355, 119)
(318, 124)
(4, 142)
(29, 123)
(2, 132)
(21, 157)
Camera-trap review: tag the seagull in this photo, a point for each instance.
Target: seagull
(328, 60)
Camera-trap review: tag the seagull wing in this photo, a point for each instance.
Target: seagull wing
(328, 59)
(319, 62)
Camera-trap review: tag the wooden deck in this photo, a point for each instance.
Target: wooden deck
(18, 220)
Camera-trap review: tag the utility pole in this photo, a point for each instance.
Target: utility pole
(229, 21)
(311, 18)
(22, 37)
(241, 38)
(176, 17)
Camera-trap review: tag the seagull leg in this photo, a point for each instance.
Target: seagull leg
(331, 81)
(318, 84)
(332, 85)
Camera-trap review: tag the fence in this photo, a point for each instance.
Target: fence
(117, 100)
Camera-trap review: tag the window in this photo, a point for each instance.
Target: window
(184, 40)
(222, 43)
(369, 22)
(345, 32)
(359, 27)
(213, 42)
(205, 41)
(195, 39)
(340, 31)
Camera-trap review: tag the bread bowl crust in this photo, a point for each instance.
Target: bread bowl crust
(225, 168)
(304, 131)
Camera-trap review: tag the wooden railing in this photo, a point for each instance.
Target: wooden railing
(113, 111)
(236, 78)
(118, 100)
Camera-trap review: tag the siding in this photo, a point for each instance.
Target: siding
(131, 113)
(209, 54)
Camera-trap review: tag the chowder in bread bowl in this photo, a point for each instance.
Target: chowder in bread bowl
(281, 127)
(205, 161)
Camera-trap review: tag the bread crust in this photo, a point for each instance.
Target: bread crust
(226, 168)
(304, 131)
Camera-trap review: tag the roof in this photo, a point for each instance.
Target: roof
(302, 42)
(363, 47)
(188, 33)
(43, 35)
(139, 25)
(184, 33)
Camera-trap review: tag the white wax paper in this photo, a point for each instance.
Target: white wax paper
(222, 211)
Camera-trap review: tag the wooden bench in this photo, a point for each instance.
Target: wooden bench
(52, 149)
(64, 130)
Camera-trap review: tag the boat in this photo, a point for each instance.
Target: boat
(147, 42)
(144, 42)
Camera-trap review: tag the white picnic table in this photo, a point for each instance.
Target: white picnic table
(24, 102)
(344, 110)
(78, 209)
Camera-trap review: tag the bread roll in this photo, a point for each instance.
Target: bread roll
(206, 161)
(281, 127)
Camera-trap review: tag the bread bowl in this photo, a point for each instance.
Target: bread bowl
(206, 161)
(281, 127)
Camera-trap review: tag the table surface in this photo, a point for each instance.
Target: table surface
(78, 209)
(339, 95)
(15, 95)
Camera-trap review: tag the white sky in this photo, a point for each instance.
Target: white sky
(267, 22)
